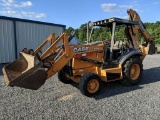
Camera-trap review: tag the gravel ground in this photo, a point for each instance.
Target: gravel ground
(57, 101)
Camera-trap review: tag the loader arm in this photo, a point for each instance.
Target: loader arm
(30, 72)
(50, 39)
(65, 53)
(61, 57)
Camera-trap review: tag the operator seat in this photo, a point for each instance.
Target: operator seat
(117, 49)
(117, 45)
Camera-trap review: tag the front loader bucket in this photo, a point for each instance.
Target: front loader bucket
(25, 72)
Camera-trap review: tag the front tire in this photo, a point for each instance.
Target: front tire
(132, 71)
(90, 84)
(63, 78)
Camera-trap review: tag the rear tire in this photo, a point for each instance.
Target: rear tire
(90, 84)
(63, 78)
(132, 71)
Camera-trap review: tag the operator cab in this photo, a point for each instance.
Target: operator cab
(118, 46)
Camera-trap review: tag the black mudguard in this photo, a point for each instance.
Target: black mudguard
(128, 55)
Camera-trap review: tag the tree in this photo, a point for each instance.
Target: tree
(69, 30)
(82, 33)
(104, 33)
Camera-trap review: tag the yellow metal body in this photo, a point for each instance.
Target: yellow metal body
(79, 67)
(27, 71)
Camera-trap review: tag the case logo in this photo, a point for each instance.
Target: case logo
(81, 49)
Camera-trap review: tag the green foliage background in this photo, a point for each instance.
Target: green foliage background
(104, 33)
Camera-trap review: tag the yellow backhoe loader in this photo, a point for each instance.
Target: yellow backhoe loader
(87, 64)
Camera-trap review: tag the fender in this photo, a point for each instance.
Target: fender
(130, 54)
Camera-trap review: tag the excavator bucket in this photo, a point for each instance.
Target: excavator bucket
(26, 72)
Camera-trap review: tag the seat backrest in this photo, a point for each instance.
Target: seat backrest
(118, 44)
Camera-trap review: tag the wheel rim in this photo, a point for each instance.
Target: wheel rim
(93, 86)
(135, 71)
